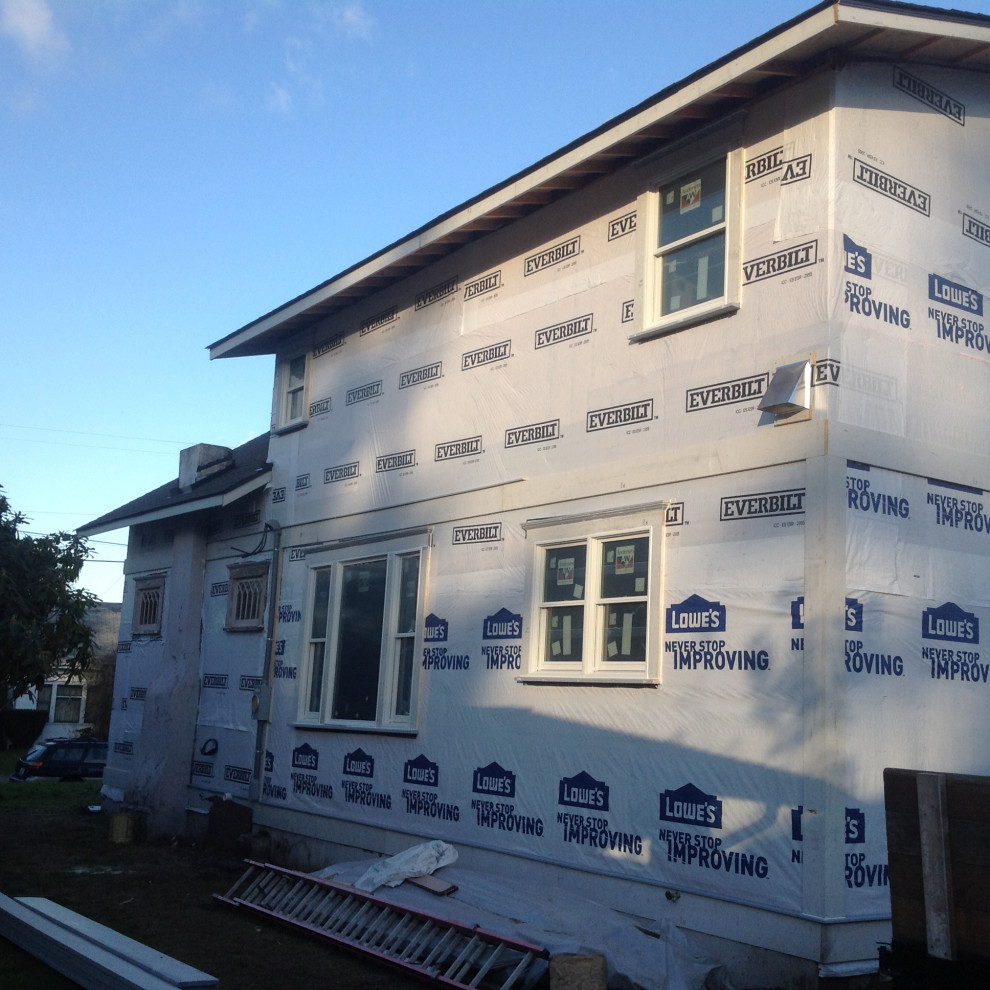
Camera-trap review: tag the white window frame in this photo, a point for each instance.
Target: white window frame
(143, 623)
(321, 653)
(595, 530)
(247, 597)
(656, 323)
(292, 387)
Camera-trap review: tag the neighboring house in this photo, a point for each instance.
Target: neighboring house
(621, 525)
(82, 704)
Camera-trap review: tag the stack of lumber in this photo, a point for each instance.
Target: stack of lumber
(90, 954)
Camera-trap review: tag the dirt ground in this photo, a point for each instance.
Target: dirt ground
(159, 893)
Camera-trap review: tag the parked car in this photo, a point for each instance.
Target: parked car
(65, 759)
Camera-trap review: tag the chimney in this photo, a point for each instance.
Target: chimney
(201, 462)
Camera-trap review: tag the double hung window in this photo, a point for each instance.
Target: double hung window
(596, 600)
(293, 392)
(692, 253)
(365, 618)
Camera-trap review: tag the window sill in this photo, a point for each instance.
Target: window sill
(243, 629)
(689, 319)
(281, 431)
(375, 730)
(591, 680)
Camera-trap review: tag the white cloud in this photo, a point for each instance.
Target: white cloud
(279, 98)
(30, 24)
(353, 20)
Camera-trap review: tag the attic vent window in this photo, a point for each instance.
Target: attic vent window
(149, 601)
(247, 597)
(294, 381)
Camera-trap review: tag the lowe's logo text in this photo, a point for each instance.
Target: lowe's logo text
(552, 256)
(486, 355)
(359, 764)
(929, 95)
(953, 294)
(364, 392)
(689, 805)
(502, 625)
(891, 187)
(583, 791)
(494, 779)
(421, 771)
(436, 629)
(628, 412)
(395, 462)
(950, 623)
(858, 261)
(304, 757)
(696, 614)
(782, 503)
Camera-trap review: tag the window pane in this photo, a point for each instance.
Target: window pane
(362, 605)
(297, 371)
(44, 701)
(68, 703)
(565, 633)
(403, 676)
(693, 274)
(563, 576)
(692, 203)
(625, 632)
(625, 567)
(321, 603)
(408, 593)
(317, 667)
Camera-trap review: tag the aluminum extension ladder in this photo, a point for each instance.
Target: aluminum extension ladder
(447, 952)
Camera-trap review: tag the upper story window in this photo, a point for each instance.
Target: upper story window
(596, 602)
(692, 255)
(364, 630)
(247, 598)
(293, 388)
(149, 602)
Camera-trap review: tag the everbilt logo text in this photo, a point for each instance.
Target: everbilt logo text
(792, 170)
(485, 533)
(379, 320)
(628, 412)
(341, 472)
(783, 503)
(364, 392)
(517, 436)
(891, 187)
(428, 373)
(976, 229)
(486, 355)
(929, 95)
(781, 262)
(437, 293)
(578, 327)
(483, 285)
(726, 393)
(457, 448)
(552, 256)
(331, 344)
(395, 462)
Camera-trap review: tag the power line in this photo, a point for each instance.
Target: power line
(97, 446)
(85, 433)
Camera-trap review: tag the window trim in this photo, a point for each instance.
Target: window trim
(655, 324)
(596, 528)
(284, 421)
(335, 558)
(236, 575)
(142, 585)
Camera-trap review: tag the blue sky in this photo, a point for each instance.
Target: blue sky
(172, 169)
